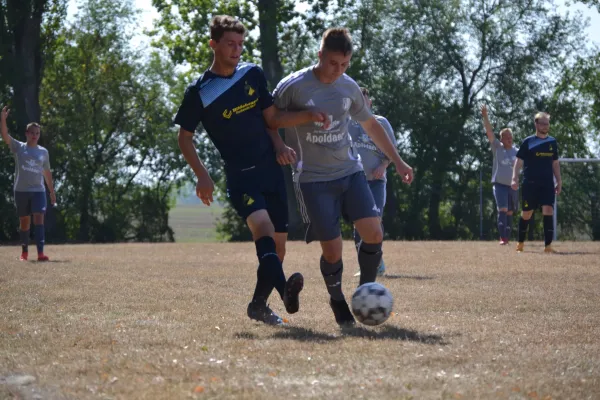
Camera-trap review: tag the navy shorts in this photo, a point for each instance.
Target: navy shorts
(30, 203)
(506, 197)
(322, 204)
(536, 195)
(260, 188)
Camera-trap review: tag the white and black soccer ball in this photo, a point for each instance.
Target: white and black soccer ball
(372, 303)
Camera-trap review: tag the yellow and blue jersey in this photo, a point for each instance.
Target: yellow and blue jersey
(230, 110)
(537, 155)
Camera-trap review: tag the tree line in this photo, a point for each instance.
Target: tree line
(106, 108)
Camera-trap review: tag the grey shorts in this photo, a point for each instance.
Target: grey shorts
(322, 204)
(506, 197)
(28, 203)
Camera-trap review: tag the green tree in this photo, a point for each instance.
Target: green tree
(108, 116)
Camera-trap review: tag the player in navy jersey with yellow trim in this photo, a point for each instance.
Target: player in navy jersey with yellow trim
(538, 156)
(233, 103)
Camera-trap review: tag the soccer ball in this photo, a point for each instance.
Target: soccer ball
(372, 303)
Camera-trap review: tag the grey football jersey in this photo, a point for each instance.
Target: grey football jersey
(30, 165)
(323, 154)
(503, 162)
(370, 155)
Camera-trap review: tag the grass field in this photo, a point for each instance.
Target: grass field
(167, 321)
(194, 222)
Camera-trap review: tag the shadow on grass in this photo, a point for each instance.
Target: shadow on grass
(400, 276)
(51, 262)
(384, 333)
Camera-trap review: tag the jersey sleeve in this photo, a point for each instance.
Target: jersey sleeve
(555, 151)
(282, 95)
(15, 145)
(190, 111)
(523, 150)
(496, 144)
(359, 109)
(265, 99)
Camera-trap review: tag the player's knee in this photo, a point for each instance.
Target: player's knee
(547, 210)
(374, 236)
(38, 219)
(526, 215)
(24, 223)
(503, 209)
(332, 257)
(509, 213)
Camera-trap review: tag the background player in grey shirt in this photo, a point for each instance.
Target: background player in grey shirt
(375, 164)
(32, 168)
(505, 155)
(329, 177)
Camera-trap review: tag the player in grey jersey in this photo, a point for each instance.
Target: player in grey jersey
(329, 177)
(505, 155)
(375, 164)
(32, 168)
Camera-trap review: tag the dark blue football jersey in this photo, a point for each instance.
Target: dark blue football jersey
(537, 155)
(230, 109)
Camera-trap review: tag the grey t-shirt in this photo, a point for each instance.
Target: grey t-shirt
(504, 160)
(30, 162)
(323, 155)
(370, 156)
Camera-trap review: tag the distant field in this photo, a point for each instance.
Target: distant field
(472, 320)
(195, 223)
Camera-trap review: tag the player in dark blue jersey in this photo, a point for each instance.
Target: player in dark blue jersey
(538, 156)
(232, 102)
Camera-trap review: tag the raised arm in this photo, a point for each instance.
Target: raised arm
(205, 186)
(4, 129)
(489, 131)
(384, 143)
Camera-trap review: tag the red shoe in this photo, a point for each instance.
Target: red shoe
(23, 256)
(42, 257)
(503, 242)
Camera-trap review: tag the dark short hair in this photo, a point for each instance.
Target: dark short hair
(225, 23)
(364, 91)
(338, 40)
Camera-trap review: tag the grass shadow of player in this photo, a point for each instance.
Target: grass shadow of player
(51, 262)
(386, 332)
(402, 276)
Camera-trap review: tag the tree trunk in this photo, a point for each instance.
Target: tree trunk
(26, 30)
(271, 63)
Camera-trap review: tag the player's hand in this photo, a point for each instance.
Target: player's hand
(318, 116)
(514, 185)
(286, 155)
(52, 198)
(379, 172)
(204, 189)
(558, 188)
(5, 112)
(405, 171)
(484, 111)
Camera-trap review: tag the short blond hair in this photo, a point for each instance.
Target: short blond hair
(541, 114)
(505, 130)
(33, 124)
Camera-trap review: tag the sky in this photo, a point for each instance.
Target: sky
(148, 14)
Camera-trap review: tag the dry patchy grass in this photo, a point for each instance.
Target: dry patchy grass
(167, 321)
